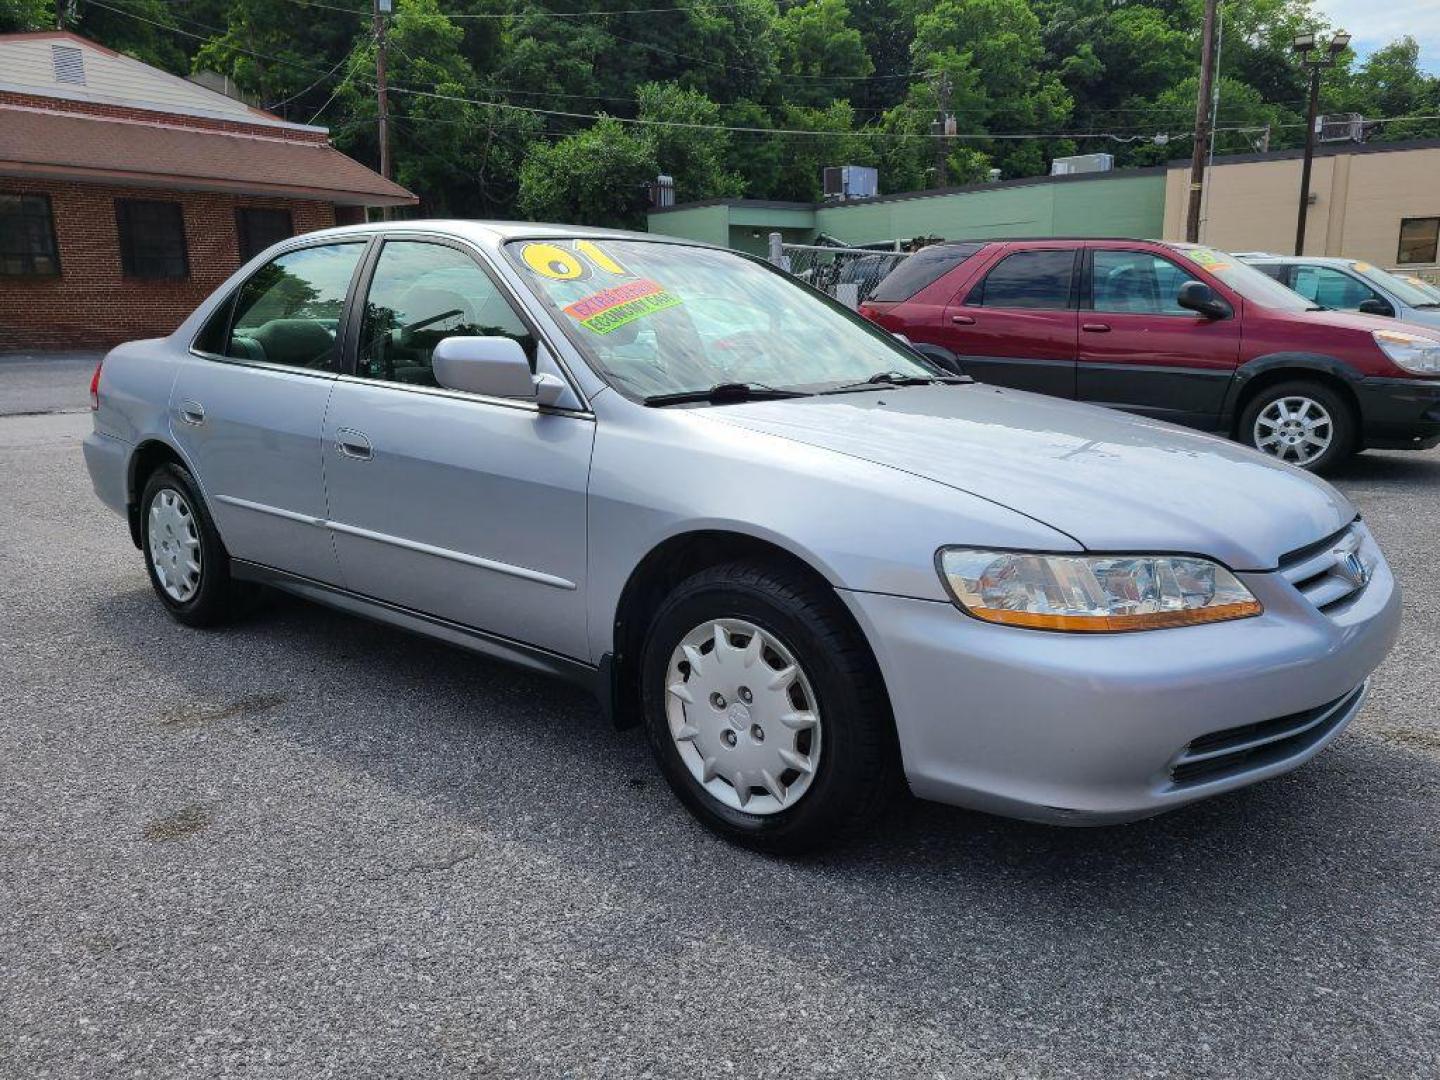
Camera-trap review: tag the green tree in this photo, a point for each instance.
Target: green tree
(597, 176)
(696, 158)
(21, 15)
(817, 43)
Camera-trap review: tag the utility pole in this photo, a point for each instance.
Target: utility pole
(1305, 45)
(1203, 111)
(382, 94)
(1310, 112)
(943, 129)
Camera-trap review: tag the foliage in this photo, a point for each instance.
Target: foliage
(509, 107)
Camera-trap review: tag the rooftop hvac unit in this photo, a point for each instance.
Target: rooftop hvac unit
(1340, 127)
(851, 182)
(1082, 163)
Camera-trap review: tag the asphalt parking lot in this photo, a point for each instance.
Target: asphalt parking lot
(308, 846)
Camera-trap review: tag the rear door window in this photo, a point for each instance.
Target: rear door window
(921, 270)
(1029, 279)
(289, 312)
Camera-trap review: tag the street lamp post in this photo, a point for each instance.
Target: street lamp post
(1315, 59)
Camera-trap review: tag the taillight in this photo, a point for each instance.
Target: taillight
(95, 386)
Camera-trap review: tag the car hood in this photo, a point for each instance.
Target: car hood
(1112, 481)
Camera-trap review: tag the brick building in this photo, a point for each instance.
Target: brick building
(128, 194)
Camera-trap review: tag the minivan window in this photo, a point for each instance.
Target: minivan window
(921, 270)
(289, 311)
(1028, 279)
(420, 294)
(1136, 281)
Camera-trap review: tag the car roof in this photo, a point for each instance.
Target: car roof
(1287, 260)
(495, 233)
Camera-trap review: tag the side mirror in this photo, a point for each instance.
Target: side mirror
(1198, 297)
(493, 366)
(1375, 306)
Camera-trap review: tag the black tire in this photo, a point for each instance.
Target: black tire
(217, 598)
(1344, 429)
(857, 769)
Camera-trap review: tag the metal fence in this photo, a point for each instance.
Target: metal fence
(846, 273)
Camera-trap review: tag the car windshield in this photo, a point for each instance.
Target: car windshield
(664, 319)
(1245, 280)
(1402, 289)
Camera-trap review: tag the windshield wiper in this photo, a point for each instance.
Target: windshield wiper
(722, 393)
(883, 379)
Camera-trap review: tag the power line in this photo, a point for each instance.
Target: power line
(539, 12)
(317, 82)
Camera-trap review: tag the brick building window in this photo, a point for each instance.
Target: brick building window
(152, 239)
(1419, 237)
(27, 236)
(259, 228)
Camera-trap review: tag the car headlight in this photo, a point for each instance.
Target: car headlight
(1093, 593)
(1416, 354)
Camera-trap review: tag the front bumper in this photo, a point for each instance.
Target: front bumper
(1399, 414)
(1089, 729)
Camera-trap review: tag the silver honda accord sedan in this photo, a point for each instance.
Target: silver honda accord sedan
(815, 566)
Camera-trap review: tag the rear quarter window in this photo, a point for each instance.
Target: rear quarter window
(924, 268)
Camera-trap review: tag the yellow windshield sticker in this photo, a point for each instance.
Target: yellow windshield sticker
(610, 309)
(597, 256)
(553, 261)
(1208, 258)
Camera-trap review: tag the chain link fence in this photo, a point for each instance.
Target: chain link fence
(848, 274)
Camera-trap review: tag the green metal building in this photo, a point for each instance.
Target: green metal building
(1128, 202)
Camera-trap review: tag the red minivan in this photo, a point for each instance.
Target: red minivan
(1178, 332)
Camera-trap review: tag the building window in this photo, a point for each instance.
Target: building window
(258, 229)
(27, 236)
(152, 239)
(1418, 240)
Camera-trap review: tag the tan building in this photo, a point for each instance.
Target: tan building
(1379, 202)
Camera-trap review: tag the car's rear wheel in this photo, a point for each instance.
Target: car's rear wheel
(1303, 423)
(189, 568)
(765, 709)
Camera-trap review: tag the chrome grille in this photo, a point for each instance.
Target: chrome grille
(1332, 571)
(1254, 746)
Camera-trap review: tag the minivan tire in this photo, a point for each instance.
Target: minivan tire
(1344, 430)
(856, 757)
(216, 597)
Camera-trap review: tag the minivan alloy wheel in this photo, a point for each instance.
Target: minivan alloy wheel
(1295, 429)
(743, 716)
(174, 544)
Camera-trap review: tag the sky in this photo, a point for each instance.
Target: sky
(1376, 25)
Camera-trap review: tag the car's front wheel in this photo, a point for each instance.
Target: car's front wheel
(189, 568)
(1302, 422)
(765, 709)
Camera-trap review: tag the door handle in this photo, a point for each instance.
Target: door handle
(192, 412)
(963, 320)
(354, 444)
(1096, 327)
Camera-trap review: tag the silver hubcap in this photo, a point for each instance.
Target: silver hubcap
(1296, 429)
(174, 545)
(743, 716)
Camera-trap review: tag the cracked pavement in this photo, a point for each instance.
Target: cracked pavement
(308, 846)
